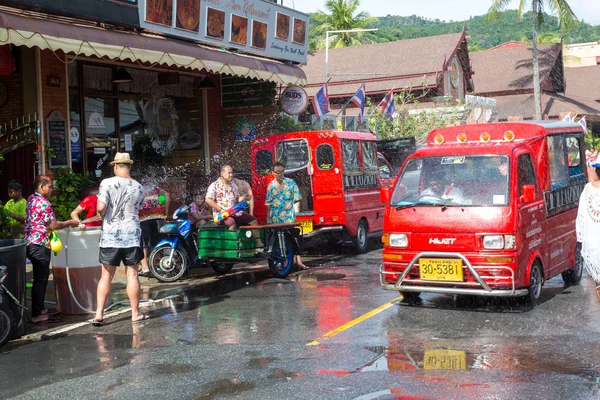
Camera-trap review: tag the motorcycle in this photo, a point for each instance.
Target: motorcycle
(175, 254)
(9, 305)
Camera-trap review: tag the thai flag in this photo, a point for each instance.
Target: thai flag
(321, 101)
(583, 123)
(359, 100)
(387, 104)
(567, 118)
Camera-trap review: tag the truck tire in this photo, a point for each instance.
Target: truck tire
(361, 239)
(536, 280)
(221, 268)
(573, 276)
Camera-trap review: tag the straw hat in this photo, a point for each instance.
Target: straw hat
(121, 158)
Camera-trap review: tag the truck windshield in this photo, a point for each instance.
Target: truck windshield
(453, 181)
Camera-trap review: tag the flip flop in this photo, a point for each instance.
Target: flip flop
(51, 311)
(143, 319)
(47, 319)
(302, 267)
(598, 292)
(97, 322)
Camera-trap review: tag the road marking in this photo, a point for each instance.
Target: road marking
(355, 321)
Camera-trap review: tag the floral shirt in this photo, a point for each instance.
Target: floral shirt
(226, 196)
(281, 201)
(121, 225)
(152, 208)
(39, 215)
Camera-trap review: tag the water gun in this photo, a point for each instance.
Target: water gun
(55, 243)
(223, 215)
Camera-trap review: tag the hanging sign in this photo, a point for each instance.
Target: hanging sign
(294, 100)
(245, 130)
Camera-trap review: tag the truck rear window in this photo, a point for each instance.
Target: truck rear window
(454, 181)
(293, 154)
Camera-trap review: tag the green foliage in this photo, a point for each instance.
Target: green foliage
(484, 33)
(417, 123)
(69, 186)
(591, 143)
(284, 124)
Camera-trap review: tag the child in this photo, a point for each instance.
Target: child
(199, 212)
(15, 208)
(88, 204)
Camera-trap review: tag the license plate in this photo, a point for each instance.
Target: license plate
(445, 359)
(307, 226)
(439, 269)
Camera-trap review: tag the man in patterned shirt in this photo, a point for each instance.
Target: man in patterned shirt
(39, 224)
(282, 193)
(119, 202)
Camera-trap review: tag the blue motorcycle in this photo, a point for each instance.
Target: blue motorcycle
(178, 251)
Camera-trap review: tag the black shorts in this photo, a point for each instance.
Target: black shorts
(150, 232)
(115, 255)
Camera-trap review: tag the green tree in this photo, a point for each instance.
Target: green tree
(340, 15)
(566, 18)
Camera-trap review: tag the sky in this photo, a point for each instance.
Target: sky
(445, 10)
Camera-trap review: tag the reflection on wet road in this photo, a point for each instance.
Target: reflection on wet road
(245, 336)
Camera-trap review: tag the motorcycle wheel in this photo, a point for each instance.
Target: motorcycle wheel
(221, 268)
(281, 265)
(161, 268)
(7, 324)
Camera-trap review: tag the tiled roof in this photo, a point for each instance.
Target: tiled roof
(404, 63)
(510, 69)
(552, 105)
(583, 83)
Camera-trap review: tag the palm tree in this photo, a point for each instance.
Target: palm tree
(342, 15)
(566, 18)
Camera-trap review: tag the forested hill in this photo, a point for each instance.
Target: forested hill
(484, 33)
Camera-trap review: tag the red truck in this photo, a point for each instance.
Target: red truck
(486, 209)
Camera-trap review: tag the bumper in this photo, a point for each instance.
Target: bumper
(323, 230)
(479, 287)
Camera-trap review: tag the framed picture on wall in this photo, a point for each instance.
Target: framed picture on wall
(299, 36)
(259, 35)
(188, 15)
(239, 30)
(282, 30)
(215, 23)
(160, 12)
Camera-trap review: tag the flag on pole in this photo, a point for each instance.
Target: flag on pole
(583, 123)
(321, 101)
(567, 118)
(359, 100)
(387, 104)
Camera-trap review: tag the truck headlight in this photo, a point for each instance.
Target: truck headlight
(494, 242)
(398, 240)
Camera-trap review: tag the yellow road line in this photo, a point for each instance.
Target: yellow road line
(355, 321)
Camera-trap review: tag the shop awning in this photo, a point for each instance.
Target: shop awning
(81, 38)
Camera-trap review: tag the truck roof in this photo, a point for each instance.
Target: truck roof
(497, 133)
(319, 134)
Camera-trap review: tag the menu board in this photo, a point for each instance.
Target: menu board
(56, 132)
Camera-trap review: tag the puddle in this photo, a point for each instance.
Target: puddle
(260, 362)
(174, 368)
(325, 276)
(225, 387)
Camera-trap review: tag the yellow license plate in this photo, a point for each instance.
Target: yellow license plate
(439, 269)
(307, 226)
(445, 359)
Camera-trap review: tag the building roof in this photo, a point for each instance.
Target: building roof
(583, 83)
(404, 63)
(553, 104)
(510, 69)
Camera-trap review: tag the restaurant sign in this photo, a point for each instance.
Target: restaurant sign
(253, 26)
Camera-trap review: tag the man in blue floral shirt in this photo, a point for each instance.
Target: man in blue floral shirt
(282, 193)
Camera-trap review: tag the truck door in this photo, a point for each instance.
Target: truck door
(531, 216)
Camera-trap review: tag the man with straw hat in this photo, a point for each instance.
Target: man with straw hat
(119, 200)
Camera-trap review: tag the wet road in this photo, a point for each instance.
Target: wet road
(251, 336)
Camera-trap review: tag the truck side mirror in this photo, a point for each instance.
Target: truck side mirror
(385, 193)
(527, 194)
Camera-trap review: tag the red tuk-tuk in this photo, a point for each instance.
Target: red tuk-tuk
(487, 210)
(339, 175)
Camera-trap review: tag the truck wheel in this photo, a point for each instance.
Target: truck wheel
(279, 265)
(221, 268)
(573, 276)
(7, 324)
(362, 238)
(162, 269)
(536, 280)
